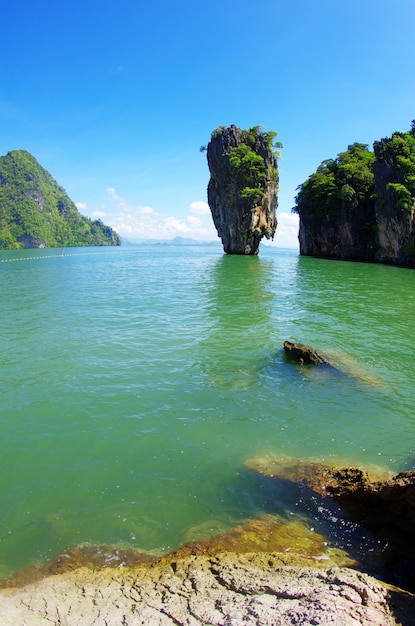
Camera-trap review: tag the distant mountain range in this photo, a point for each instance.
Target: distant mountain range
(177, 241)
(35, 212)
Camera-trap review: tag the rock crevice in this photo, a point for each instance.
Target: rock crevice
(225, 589)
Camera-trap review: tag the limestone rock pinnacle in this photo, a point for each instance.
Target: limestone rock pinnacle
(243, 187)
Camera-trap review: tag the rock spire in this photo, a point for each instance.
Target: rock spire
(243, 186)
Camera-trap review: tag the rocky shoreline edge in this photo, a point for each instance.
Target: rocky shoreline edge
(265, 572)
(222, 589)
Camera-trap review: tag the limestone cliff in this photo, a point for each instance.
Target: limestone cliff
(394, 203)
(243, 186)
(361, 205)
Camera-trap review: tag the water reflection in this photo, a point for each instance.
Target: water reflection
(238, 299)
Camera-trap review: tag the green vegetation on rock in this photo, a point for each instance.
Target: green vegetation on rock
(243, 186)
(249, 169)
(398, 154)
(35, 212)
(361, 205)
(347, 180)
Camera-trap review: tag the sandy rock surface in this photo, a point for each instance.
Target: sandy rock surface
(226, 589)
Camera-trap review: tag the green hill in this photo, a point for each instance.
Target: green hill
(35, 212)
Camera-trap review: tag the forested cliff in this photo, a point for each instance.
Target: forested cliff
(35, 212)
(361, 205)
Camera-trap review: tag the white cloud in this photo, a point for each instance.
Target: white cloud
(286, 235)
(122, 204)
(147, 210)
(144, 222)
(92, 213)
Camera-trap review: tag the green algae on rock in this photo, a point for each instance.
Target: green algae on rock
(372, 498)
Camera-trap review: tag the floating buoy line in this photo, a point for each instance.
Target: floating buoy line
(61, 255)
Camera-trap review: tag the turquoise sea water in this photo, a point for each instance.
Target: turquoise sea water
(136, 382)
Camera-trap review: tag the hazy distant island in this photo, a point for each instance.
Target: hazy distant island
(36, 212)
(361, 205)
(176, 241)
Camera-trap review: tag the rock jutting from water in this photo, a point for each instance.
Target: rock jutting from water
(300, 353)
(360, 206)
(333, 361)
(372, 498)
(261, 572)
(243, 187)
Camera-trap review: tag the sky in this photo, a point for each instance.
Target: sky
(115, 99)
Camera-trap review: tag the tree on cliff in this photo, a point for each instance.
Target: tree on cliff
(36, 212)
(361, 205)
(335, 205)
(243, 186)
(346, 181)
(398, 152)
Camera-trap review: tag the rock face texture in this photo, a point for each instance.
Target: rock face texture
(243, 186)
(395, 220)
(344, 236)
(300, 353)
(361, 205)
(216, 591)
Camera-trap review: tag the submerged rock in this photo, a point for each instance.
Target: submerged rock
(295, 542)
(334, 360)
(320, 477)
(243, 186)
(300, 353)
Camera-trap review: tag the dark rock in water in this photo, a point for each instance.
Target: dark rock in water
(334, 362)
(300, 353)
(242, 191)
(386, 507)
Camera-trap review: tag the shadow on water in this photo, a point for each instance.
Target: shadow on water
(336, 536)
(314, 515)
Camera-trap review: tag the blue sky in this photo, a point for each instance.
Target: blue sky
(116, 98)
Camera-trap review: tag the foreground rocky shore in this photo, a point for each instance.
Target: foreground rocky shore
(224, 589)
(270, 571)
